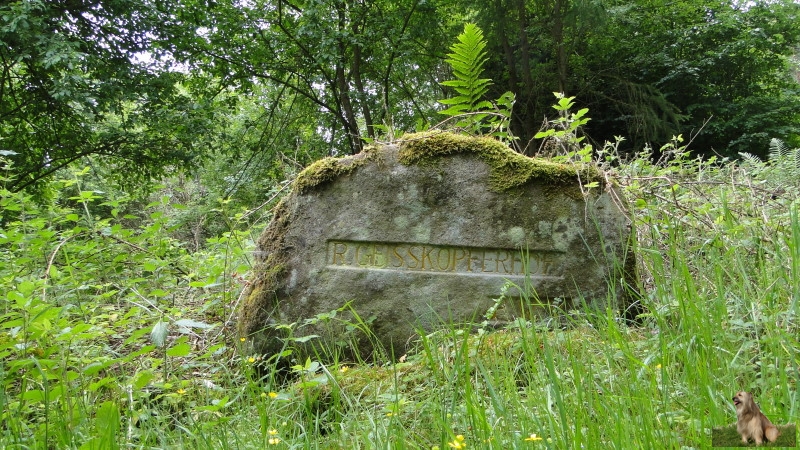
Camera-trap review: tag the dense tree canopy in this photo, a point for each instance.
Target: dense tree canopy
(144, 86)
(359, 64)
(70, 87)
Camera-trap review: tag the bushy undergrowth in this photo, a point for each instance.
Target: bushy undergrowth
(115, 335)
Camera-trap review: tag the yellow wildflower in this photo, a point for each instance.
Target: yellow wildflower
(533, 437)
(273, 395)
(274, 441)
(458, 442)
(273, 432)
(251, 360)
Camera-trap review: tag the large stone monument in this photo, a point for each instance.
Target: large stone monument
(431, 231)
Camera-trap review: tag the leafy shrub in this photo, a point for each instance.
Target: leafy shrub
(95, 316)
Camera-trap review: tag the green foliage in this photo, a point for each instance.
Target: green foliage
(83, 297)
(349, 66)
(723, 70)
(71, 88)
(113, 333)
(730, 437)
(781, 172)
(467, 62)
(562, 134)
(116, 336)
(474, 114)
(787, 158)
(717, 72)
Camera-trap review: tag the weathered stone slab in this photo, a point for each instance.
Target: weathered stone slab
(429, 232)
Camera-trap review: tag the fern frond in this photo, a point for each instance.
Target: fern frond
(467, 59)
(468, 109)
(751, 159)
(777, 149)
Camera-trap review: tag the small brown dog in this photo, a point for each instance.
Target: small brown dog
(752, 423)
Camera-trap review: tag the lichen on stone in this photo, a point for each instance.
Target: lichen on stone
(509, 169)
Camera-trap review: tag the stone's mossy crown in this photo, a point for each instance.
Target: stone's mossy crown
(509, 168)
(427, 232)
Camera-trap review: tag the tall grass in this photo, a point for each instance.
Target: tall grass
(86, 363)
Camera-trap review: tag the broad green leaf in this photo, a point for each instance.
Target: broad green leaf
(179, 350)
(141, 379)
(159, 334)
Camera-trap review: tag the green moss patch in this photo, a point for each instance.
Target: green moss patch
(509, 169)
(328, 169)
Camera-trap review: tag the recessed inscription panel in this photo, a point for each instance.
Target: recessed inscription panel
(441, 259)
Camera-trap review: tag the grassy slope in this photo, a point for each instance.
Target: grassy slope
(720, 259)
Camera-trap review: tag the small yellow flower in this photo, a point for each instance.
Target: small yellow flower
(344, 369)
(242, 339)
(658, 366)
(181, 391)
(273, 395)
(389, 414)
(273, 432)
(251, 360)
(458, 442)
(274, 441)
(533, 437)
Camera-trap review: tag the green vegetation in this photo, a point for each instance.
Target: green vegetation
(250, 92)
(114, 334)
(472, 113)
(119, 295)
(509, 169)
(729, 437)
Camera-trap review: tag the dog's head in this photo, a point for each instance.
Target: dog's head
(742, 400)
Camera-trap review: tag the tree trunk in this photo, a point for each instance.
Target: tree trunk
(559, 10)
(343, 89)
(362, 94)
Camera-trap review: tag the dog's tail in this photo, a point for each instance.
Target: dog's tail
(772, 433)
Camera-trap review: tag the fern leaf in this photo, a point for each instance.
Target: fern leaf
(467, 59)
(751, 159)
(777, 149)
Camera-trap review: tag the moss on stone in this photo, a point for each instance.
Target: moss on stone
(509, 169)
(328, 169)
(259, 296)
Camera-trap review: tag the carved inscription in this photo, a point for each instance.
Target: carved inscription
(441, 259)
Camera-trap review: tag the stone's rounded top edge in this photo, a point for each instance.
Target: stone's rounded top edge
(331, 167)
(509, 168)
